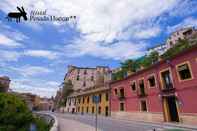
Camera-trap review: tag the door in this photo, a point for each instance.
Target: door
(171, 110)
(106, 111)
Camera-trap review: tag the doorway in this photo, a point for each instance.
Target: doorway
(106, 111)
(171, 110)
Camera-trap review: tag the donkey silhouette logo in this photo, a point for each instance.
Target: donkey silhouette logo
(17, 15)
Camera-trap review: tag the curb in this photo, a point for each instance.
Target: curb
(55, 126)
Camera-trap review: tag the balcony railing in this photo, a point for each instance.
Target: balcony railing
(121, 97)
(168, 87)
(142, 92)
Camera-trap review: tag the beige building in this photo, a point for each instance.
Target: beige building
(184, 33)
(4, 83)
(84, 78)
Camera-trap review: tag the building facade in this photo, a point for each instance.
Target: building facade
(159, 48)
(84, 79)
(184, 33)
(4, 83)
(84, 103)
(163, 92)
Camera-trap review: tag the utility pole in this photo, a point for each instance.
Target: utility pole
(96, 101)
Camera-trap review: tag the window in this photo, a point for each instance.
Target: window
(115, 91)
(171, 43)
(142, 88)
(121, 92)
(151, 81)
(84, 84)
(83, 100)
(77, 77)
(82, 110)
(99, 110)
(88, 99)
(133, 86)
(106, 96)
(121, 106)
(87, 110)
(85, 72)
(143, 106)
(79, 100)
(184, 72)
(100, 97)
(93, 110)
(92, 78)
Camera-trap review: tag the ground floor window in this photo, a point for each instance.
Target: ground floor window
(93, 110)
(143, 105)
(99, 110)
(87, 110)
(106, 111)
(122, 107)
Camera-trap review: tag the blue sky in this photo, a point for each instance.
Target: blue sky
(35, 54)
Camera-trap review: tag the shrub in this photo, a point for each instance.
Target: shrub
(14, 114)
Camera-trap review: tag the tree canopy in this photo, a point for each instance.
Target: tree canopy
(14, 114)
(146, 61)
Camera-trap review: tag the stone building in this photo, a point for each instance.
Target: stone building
(184, 33)
(162, 48)
(83, 79)
(4, 83)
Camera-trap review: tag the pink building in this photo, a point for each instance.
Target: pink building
(165, 91)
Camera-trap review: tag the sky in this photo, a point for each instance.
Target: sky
(35, 54)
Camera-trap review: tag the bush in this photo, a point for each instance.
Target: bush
(41, 124)
(14, 114)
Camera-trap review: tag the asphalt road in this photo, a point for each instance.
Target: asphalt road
(109, 124)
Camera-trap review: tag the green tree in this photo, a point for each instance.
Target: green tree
(119, 75)
(179, 47)
(14, 114)
(154, 57)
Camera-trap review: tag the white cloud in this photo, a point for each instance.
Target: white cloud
(118, 51)
(188, 22)
(8, 42)
(104, 20)
(28, 70)
(42, 88)
(9, 55)
(147, 33)
(42, 53)
(184, 8)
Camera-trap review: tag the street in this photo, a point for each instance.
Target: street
(87, 123)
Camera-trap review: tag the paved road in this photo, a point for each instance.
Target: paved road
(109, 124)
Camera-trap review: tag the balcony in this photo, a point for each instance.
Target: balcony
(142, 93)
(121, 97)
(168, 88)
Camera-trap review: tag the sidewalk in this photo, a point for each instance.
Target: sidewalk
(71, 125)
(164, 124)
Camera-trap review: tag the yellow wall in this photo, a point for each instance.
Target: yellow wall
(103, 104)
